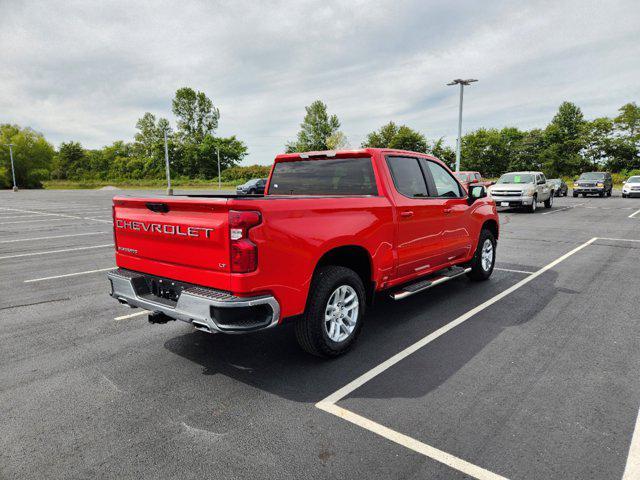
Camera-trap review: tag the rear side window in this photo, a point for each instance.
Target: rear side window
(407, 176)
(346, 176)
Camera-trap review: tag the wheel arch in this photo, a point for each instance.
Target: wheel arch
(355, 257)
(492, 226)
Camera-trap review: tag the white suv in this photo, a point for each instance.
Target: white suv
(631, 187)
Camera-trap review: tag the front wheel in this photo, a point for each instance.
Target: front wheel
(549, 203)
(575, 195)
(335, 310)
(534, 205)
(485, 257)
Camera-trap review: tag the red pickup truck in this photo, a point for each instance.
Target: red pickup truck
(471, 178)
(332, 230)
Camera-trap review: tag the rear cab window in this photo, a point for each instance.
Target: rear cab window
(340, 176)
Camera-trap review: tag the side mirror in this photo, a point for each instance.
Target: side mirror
(476, 192)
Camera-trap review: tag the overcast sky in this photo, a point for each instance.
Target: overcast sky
(87, 71)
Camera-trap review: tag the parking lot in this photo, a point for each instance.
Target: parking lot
(531, 375)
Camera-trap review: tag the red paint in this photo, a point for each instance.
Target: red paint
(282, 238)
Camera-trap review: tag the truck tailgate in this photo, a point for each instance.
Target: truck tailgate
(156, 233)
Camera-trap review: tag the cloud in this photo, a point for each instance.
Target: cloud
(87, 71)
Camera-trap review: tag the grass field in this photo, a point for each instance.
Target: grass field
(136, 184)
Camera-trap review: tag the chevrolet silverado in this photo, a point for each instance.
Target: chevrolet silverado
(332, 230)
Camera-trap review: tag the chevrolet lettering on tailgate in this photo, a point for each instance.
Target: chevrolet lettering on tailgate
(164, 228)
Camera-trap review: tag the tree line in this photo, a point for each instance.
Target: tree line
(568, 145)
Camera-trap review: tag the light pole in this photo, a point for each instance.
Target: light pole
(13, 171)
(166, 164)
(462, 83)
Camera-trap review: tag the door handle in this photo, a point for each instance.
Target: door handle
(448, 210)
(406, 214)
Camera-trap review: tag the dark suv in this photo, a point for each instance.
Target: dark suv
(593, 183)
(252, 187)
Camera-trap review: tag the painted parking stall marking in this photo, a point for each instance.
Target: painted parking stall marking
(329, 403)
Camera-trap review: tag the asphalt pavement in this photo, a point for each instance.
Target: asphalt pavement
(532, 374)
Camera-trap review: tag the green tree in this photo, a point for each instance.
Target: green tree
(397, 137)
(598, 142)
(381, 138)
(197, 117)
(315, 130)
(32, 155)
(70, 161)
(442, 151)
(490, 151)
(564, 139)
(628, 121)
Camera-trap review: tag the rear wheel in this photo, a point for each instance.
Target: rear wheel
(335, 310)
(575, 195)
(485, 257)
(609, 192)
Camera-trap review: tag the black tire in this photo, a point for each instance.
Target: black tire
(549, 203)
(575, 195)
(566, 192)
(601, 194)
(584, 195)
(252, 192)
(609, 192)
(534, 205)
(478, 272)
(310, 329)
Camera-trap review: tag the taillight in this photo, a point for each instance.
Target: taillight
(244, 253)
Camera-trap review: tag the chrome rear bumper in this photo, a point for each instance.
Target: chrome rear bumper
(208, 309)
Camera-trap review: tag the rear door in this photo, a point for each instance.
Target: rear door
(449, 196)
(157, 234)
(419, 230)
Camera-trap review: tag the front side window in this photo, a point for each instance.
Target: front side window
(343, 176)
(445, 184)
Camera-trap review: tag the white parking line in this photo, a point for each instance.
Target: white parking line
(68, 275)
(51, 237)
(562, 209)
(34, 221)
(52, 214)
(328, 404)
(619, 239)
(137, 314)
(632, 469)
(512, 270)
(411, 443)
(634, 214)
(56, 251)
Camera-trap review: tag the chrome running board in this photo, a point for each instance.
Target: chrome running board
(422, 285)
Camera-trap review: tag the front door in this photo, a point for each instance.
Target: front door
(446, 192)
(419, 229)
